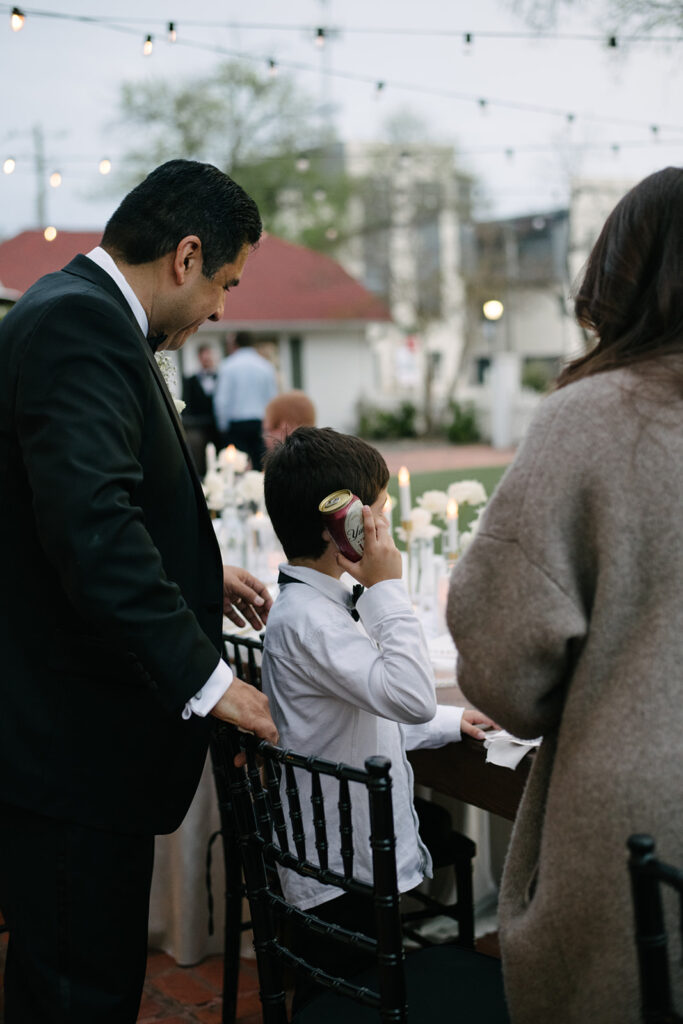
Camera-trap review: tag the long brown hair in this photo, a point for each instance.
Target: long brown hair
(631, 295)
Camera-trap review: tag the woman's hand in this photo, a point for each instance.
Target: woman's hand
(471, 719)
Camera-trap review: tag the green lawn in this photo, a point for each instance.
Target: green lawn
(439, 481)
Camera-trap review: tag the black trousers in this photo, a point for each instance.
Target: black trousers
(76, 901)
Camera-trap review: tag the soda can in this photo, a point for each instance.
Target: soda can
(343, 515)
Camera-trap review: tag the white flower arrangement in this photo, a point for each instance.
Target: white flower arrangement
(168, 371)
(467, 492)
(250, 488)
(420, 526)
(435, 502)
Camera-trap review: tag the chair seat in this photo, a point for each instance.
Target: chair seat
(443, 982)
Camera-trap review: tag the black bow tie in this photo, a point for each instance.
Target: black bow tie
(283, 579)
(155, 340)
(355, 594)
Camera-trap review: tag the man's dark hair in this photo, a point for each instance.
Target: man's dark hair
(180, 198)
(308, 465)
(243, 339)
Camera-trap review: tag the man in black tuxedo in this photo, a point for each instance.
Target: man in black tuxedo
(111, 593)
(198, 415)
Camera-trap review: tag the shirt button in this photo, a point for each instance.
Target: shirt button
(198, 695)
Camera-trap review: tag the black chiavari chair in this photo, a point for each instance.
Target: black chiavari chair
(243, 653)
(648, 874)
(421, 987)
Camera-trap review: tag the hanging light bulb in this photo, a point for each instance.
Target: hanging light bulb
(654, 131)
(172, 34)
(320, 38)
(9, 165)
(17, 19)
(104, 166)
(483, 105)
(379, 88)
(272, 68)
(50, 233)
(55, 179)
(147, 46)
(467, 41)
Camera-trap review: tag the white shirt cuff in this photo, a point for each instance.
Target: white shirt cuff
(211, 692)
(444, 728)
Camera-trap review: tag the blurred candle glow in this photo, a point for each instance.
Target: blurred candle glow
(452, 526)
(404, 500)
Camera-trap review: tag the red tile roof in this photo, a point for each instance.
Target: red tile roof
(282, 282)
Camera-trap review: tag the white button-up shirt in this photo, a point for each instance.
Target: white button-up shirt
(346, 691)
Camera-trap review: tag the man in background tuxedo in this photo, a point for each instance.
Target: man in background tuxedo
(198, 414)
(111, 593)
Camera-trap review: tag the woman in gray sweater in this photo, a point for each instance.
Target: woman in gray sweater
(567, 612)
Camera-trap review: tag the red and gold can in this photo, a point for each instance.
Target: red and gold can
(343, 515)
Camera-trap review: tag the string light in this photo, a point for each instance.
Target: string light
(467, 40)
(654, 130)
(172, 34)
(50, 233)
(55, 179)
(320, 38)
(147, 46)
(612, 42)
(379, 88)
(272, 68)
(9, 165)
(104, 166)
(17, 19)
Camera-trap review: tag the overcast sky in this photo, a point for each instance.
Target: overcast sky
(65, 76)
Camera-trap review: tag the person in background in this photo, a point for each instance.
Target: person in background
(112, 593)
(285, 413)
(198, 415)
(246, 383)
(567, 612)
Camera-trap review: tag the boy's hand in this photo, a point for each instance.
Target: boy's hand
(381, 558)
(471, 719)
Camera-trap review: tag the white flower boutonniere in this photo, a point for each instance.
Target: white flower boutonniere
(169, 372)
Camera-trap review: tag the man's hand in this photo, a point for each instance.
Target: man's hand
(381, 558)
(244, 595)
(247, 708)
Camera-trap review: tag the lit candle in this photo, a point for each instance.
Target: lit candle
(404, 500)
(230, 456)
(452, 525)
(387, 509)
(210, 454)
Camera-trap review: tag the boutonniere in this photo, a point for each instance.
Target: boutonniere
(168, 371)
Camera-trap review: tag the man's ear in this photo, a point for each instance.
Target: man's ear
(187, 259)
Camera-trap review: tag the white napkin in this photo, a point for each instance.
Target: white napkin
(506, 750)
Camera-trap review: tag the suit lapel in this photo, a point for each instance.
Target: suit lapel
(81, 266)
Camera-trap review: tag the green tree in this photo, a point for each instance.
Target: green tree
(631, 16)
(262, 130)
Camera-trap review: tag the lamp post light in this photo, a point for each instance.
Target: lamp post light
(504, 374)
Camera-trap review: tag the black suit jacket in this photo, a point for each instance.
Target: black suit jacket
(110, 574)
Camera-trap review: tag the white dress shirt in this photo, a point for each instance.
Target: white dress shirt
(221, 677)
(346, 691)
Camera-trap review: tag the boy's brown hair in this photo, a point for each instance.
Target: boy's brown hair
(306, 467)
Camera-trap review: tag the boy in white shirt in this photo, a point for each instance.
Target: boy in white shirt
(342, 689)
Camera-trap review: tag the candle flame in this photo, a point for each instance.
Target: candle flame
(403, 476)
(452, 509)
(230, 453)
